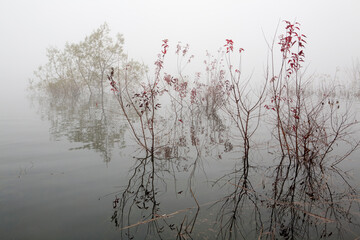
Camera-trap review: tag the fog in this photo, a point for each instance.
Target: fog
(29, 27)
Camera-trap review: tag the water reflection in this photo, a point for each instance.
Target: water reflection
(85, 121)
(287, 205)
(310, 202)
(289, 200)
(242, 202)
(294, 203)
(137, 208)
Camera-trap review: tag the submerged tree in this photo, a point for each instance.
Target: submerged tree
(307, 127)
(308, 130)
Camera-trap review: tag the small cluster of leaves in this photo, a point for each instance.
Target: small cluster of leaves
(287, 41)
(160, 61)
(278, 99)
(180, 87)
(112, 82)
(183, 50)
(230, 46)
(143, 100)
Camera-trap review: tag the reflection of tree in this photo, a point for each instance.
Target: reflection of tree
(303, 203)
(138, 205)
(207, 131)
(235, 205)
(84, 121)
(181, 146)
(139, 201)
(141, 190)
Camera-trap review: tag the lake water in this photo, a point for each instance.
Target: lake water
(71, 170)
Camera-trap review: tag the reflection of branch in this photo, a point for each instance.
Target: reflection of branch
(303, 201)
(232, 208)
(157, 217)
(81, 120)
(164, 216)
(140, 194)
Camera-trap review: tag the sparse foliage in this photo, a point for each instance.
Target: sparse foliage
(82, 67)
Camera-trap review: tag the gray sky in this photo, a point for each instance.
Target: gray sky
(28, 27)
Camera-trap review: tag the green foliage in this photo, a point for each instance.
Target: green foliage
(82, 66)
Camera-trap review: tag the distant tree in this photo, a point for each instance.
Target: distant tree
(82, 66)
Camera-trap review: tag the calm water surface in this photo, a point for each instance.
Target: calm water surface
(71, 170)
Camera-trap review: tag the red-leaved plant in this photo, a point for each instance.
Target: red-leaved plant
(306, 128)
(143, 103)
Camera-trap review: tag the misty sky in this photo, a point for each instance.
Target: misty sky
(28, 27)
